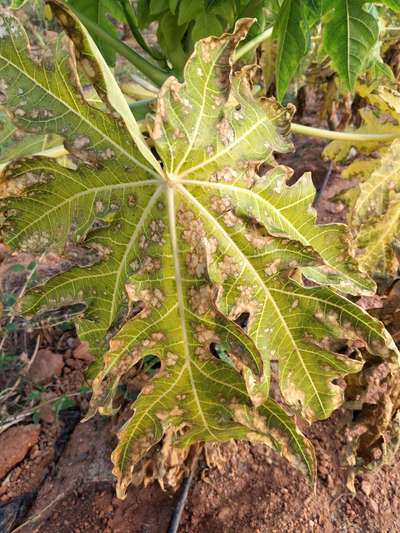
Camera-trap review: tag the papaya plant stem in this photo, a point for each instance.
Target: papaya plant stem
(134, 27)
(252, 44)
(141, 108)
(341, 135)
(155, 74)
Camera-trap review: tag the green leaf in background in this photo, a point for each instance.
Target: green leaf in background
(143, 13)
(292, 40)
(17, 4)
(313, 10)
(189, 10)
(99, 11)
(170, 36)
(157, 7)
(254, 9)
(173, 4)
(393, 4)
(350, 34)
(205, 24)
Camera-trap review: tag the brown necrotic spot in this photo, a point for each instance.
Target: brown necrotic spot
(132, 200)
(245, 303)
(156, 229)
(273, 268)
(204, 337)
(150, 298)
(3, 91)
(193, 233)
(200, 299)
(171, 359)
(147, 265)
(229, 267)
(226, 132)
(224, 174)
(175, 411)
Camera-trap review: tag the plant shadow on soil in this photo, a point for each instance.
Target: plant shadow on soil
(64, 484)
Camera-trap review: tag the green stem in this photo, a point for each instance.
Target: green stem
(155, 74)
(342, 135)
(141, 108)
(134, 27)
(253, 44)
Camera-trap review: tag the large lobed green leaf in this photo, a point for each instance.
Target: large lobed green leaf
(184, 250)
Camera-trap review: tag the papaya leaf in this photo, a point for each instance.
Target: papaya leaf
(290, 31)
(375, 213)
(189, 11)
(313, 11)
(315, 6)
(170, 36)
(182, 251)
(14, 143)
(350, 33)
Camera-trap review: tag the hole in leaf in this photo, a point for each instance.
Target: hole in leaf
(213, 350)
(151, 363)
(243, 319)
(220, 352)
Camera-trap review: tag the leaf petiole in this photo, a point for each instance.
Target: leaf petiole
(133, 25)
(341, 135)
(249, 46)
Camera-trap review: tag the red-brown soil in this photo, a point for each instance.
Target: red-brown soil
(254, 491)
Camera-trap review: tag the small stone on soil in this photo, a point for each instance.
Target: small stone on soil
(82, 352)
(46, 365)
(15, 443)
(366, 487)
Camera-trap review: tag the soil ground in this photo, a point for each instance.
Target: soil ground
(63, 483)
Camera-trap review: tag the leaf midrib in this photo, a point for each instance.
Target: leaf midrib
(200, 114)
(227, 149)
(180, 300)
